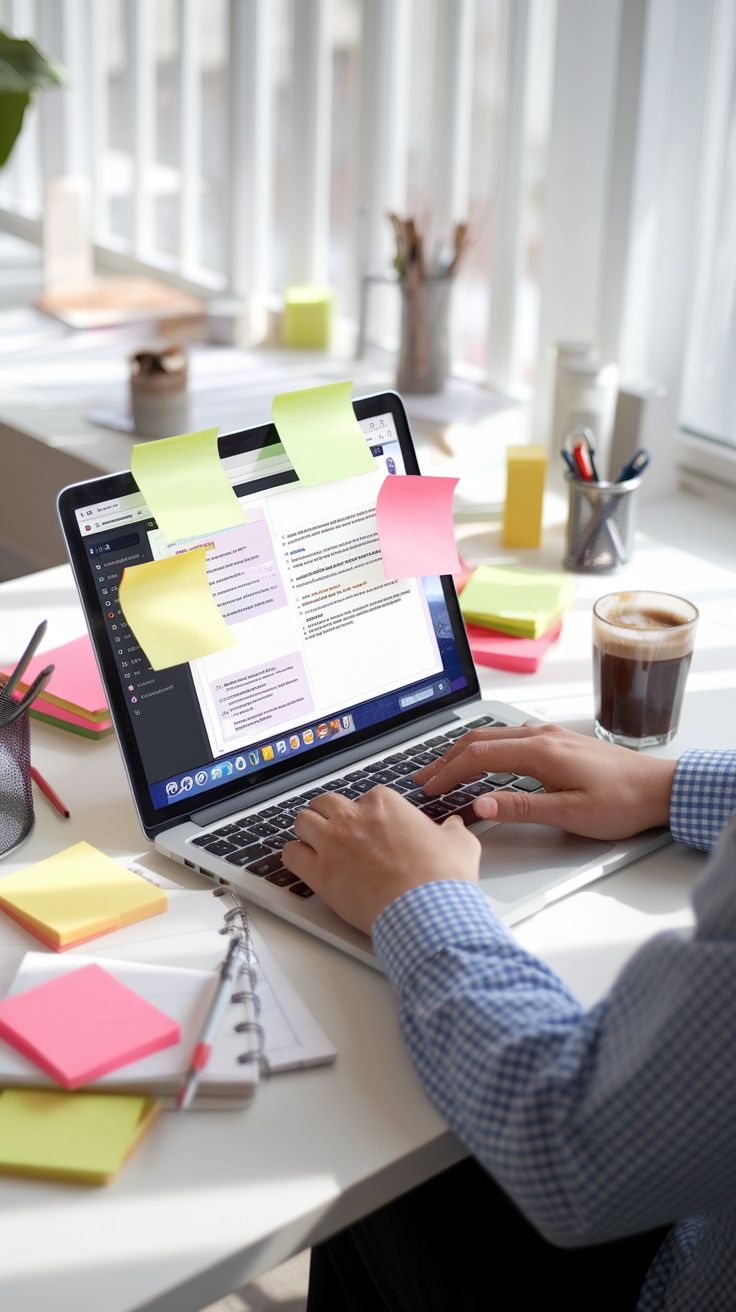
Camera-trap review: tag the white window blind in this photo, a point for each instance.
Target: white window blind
(242, 145)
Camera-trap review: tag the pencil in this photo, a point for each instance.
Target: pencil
(48, 792)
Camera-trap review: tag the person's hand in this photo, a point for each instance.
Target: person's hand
(592, 787)
(361, 855)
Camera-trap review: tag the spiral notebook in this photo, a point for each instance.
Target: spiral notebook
(171, 963)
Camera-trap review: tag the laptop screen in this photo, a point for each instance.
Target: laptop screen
(329, 653)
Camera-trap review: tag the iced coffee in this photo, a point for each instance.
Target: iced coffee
(642, 647)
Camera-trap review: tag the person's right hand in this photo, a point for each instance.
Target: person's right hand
(591, 787)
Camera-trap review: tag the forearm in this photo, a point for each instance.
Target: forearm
(585, 1119)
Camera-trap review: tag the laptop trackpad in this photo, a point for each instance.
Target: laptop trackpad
(518, 861)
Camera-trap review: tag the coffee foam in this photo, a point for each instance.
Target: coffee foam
(651, 627)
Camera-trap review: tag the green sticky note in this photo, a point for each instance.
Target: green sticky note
(170, 608)
(71, 1136)
(322, 437)
(522, 602)
(185, 487)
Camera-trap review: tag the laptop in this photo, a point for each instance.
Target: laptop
(339, 680)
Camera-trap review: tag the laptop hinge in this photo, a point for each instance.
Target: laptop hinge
(253, 797)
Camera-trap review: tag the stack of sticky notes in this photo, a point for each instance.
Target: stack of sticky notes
(76, 895)
(84, 1137)
(514, 615)
(84, 1024)
(74, 699)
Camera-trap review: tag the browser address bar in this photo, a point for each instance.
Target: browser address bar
(258, 468)
(237, 473)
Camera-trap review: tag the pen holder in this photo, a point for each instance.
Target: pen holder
(424, 352)
(16, 795)
(600, 525)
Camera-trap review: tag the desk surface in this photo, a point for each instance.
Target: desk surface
(211, 1200)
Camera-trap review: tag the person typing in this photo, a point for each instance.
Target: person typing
(603, 1142)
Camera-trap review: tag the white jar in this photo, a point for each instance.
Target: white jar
(586, 389)
(159, 400)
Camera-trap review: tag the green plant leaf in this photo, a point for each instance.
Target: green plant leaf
(23, 67)
(12, 108)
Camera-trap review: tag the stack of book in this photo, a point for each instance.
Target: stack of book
(513, 616)
(74, 698)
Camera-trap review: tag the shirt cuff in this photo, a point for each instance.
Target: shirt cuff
(703, 797)
(428, 920)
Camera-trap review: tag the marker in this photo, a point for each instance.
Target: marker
(581, 456)
(570, 463)
(24, 661)
(229, 971)
(636, 465)
(48, 792)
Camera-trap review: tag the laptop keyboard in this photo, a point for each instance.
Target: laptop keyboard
(254, 843)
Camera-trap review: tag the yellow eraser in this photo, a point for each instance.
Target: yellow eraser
(308, 317)
(522, 519)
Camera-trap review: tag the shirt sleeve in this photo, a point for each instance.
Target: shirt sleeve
(597, 1123)
(703, 797)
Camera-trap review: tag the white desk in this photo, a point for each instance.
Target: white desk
(211, 1200)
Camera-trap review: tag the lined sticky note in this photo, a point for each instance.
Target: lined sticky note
(170, 608)
(76, 895)
(523, 602)
(84, 1137)
(185, 486)
(415, 529)
(322, 437)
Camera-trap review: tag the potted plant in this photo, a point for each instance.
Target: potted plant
(24, 70)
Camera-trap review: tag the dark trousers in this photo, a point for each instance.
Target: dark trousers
(458, 1244)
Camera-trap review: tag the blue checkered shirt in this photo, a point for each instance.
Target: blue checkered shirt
(602, 1123)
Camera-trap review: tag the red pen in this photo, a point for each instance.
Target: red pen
(581, 456)
(48, 792)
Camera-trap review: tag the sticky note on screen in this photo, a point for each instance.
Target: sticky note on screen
(85, 1137)
(415, 529)
(185, 486)
(170, 609)
(321, 435)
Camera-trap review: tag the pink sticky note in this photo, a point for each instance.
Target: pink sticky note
(415, 527)
(83, 1024)
(465, 573)
(504, 652)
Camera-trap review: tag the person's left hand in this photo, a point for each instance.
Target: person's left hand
(361, 855)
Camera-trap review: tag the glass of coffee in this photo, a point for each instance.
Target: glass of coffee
(642, 647)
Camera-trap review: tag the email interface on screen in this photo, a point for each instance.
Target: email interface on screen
(326, 645)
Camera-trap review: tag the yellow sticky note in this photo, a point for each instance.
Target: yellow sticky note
(170, 608)
(322, 437)
(71, 1136)
(308, 317)
(522, 602)
(185, 487)
(76, 895)
(522, 519)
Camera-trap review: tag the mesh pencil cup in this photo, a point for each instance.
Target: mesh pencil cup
(600, 525)
(16, 794)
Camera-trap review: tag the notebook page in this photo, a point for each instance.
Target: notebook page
(186, 937)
